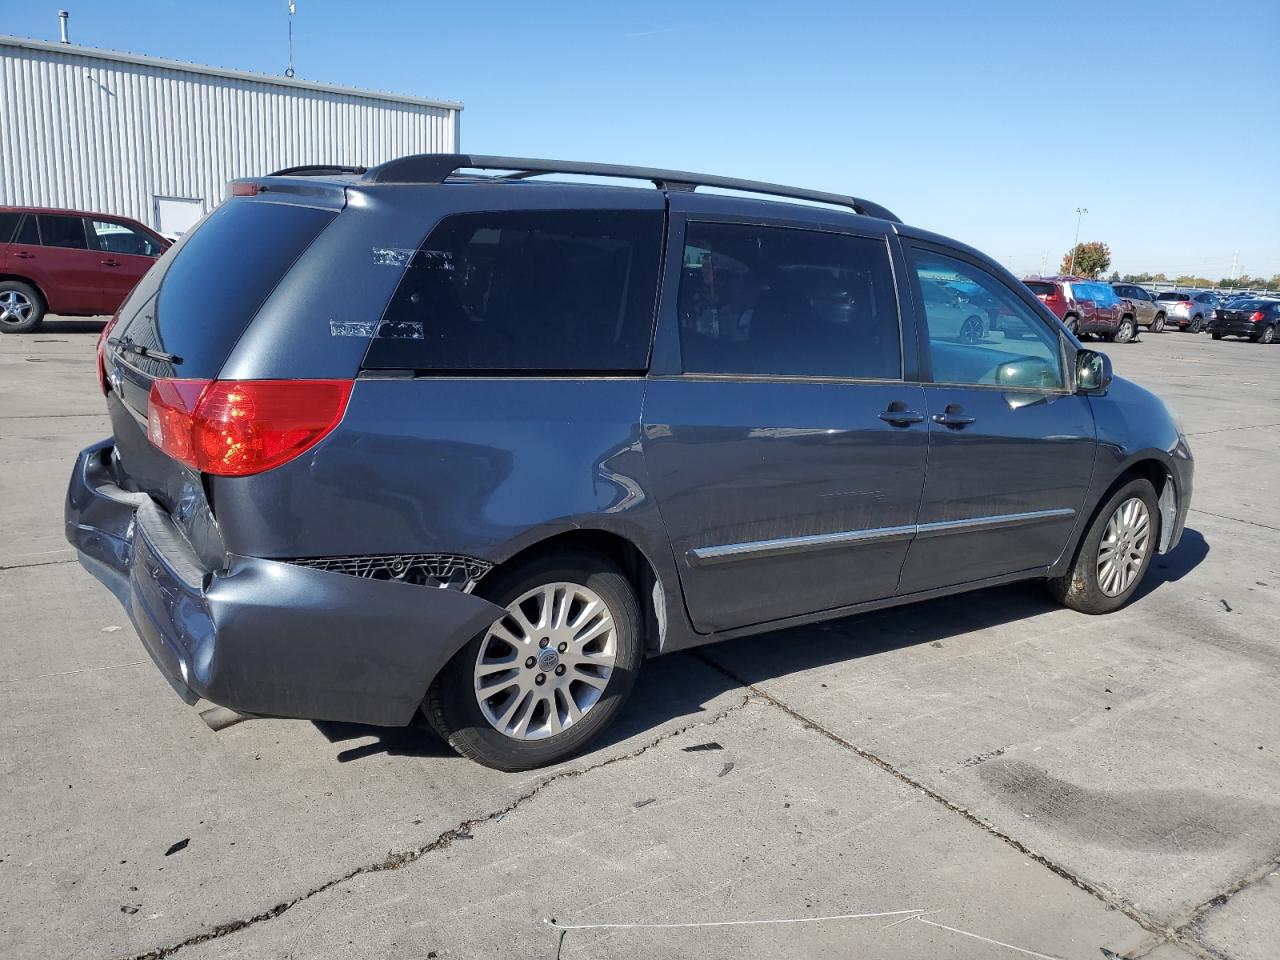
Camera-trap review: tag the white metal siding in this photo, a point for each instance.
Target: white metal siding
(109, 135)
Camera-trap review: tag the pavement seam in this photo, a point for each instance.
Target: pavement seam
(37, 563)
(396, 859)
(1223, 516)
(1151, 925)
(1198, 913)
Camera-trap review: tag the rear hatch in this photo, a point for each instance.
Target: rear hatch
(183, 320)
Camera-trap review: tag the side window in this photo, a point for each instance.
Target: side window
(786, 302)
(537, 290)
(62, 231)
(117, 238)
(980, 332)
(28, 232)
(8, 226)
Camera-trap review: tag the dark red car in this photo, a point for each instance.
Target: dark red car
(68, 262)
(1086, 306)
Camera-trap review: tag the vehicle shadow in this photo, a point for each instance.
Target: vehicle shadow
(54, 325)
(683, 686)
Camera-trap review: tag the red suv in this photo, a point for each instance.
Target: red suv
(68, 262)
(1086, 306)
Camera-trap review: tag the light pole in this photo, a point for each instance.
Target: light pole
(1071, 267)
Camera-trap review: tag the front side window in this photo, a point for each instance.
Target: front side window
(61, 231)
(115, 237)
(980, 332)
(534, 290)
(777, 301)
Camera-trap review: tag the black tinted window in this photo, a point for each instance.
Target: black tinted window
(28, 231)
(773, 300)
(59, 231)
(8, 226)
(543, 290)
(1168, 295)
(212, 283)
(1039, 288)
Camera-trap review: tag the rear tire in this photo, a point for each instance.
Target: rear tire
(1115, 554)
(549, 720)
(1157, 325)
(1216, 336)
(21, 307)
(1126, 330)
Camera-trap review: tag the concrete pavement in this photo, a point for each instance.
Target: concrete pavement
(1031, 781)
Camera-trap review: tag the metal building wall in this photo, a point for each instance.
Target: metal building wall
(109, 133)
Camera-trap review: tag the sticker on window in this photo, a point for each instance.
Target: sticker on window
(390, 330)
(408, 257)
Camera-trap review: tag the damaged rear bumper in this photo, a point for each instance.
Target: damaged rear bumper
(265, 637)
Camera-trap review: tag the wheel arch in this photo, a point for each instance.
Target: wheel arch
(653, 593)
(30, 283)
(1152, 467)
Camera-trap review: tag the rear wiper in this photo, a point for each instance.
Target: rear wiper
(128, 346)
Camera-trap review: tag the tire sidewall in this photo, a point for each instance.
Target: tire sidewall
(451, 704)
(37, 307)
(1083, 591)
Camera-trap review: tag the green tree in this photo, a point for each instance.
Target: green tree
(1115, 276)
(1089, 260)
(1138, 278)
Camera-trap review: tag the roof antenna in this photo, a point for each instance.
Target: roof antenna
(63, 16)
(288, 71)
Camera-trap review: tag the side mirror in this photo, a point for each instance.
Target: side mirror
(1093, 372)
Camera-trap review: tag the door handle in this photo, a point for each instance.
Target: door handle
(23, 255)
(900, 418)
(953, 416)
(110, 263)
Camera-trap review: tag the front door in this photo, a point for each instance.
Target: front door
(785, 448)
(125, 254)
(1011, 448)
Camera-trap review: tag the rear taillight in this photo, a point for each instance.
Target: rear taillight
(233, 428)
(1052, 297)
(1255, 317)
(102, 352)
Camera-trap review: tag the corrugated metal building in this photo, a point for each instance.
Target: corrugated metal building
(157, 140)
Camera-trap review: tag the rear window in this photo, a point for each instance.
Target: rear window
(1168, 295)
(545, 290)
(200, 297)
(1040, 289)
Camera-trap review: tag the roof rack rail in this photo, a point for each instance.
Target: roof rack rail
(317, 170)
(438, 167)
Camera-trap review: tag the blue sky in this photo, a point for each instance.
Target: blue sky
(989, 122)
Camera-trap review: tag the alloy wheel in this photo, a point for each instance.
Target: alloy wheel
(971, 330)
(1124, 547)
(545, 665)
(14, 307)
(1125, 333)
(1158, 325)
(1268, 334)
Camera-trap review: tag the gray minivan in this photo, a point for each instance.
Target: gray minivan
(422, 437)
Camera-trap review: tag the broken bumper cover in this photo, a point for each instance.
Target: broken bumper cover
(265, 637)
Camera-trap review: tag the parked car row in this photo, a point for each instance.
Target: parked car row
(1116, 311)
(69, 262)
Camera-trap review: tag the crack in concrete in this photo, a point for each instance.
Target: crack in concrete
(1199, 913)
(36, 563)
(1223, 516)
(396, 859)
(1161, 932)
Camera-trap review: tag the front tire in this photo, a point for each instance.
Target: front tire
(21, 307)
(1197, 323)
(1268, 334)
(545, 680)
(1216, 336)
(1126, 330)
(1072, 324)
(1157, 325)
(1115, 553)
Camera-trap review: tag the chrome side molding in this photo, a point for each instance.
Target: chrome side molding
(754, 549)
